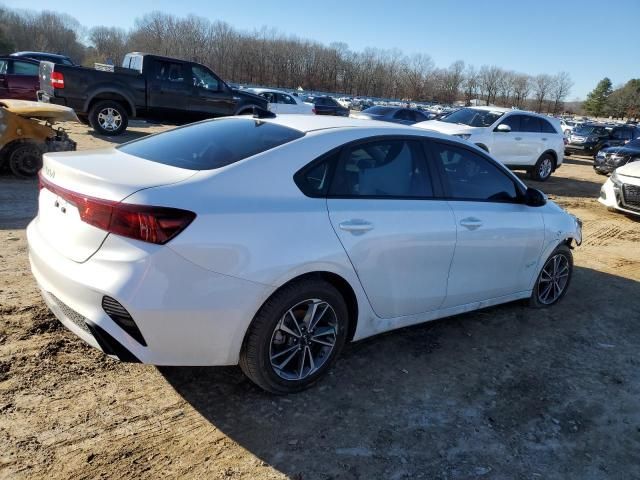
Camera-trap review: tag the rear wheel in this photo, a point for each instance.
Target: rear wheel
(108, 118)
(554, 278)
(543, 168)
(295, 337)
(25, 160)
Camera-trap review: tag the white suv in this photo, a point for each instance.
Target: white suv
(520, 140)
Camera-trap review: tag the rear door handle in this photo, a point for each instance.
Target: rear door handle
(544, 139)
(518, 138)
(356, 226)
(471, 223)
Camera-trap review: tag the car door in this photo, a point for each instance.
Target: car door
(507, 146)
(210, 96)
(22, 80)
(286, 103)
(499, 238)
(398, 234)
(170, 89)
(532, 143)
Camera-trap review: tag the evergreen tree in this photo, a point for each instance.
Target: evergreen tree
(597, 99)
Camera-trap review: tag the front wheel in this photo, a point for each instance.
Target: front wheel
(554, 279)
(295, 337)
(108, 118)
(543, 168)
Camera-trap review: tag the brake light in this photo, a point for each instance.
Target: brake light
(57, 80)
(313, 110)
(142, 222)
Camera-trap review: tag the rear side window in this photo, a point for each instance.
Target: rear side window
(547, 127)
(211, 144)
(470, 176)
(24, 68)
(3, 67)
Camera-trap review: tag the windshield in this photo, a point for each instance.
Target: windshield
(585, 130)
(472, 117)
(378, 110)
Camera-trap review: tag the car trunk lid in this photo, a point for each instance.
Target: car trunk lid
(105, 176)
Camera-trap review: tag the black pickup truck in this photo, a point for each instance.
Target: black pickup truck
(146, 86)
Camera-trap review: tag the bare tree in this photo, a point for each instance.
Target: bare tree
(562, 84)
(542, 87)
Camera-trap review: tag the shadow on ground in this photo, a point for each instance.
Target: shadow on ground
(507, 392)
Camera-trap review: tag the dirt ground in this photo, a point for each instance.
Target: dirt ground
(504, 393)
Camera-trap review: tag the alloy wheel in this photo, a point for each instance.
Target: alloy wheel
(109, 119)
(303, 339)
(553, 279)
(545, 168)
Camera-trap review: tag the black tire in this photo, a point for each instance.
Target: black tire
(25, 159)
(84, 119)
(256, 354)
(109, 126)
(538, 299)
(543, 168)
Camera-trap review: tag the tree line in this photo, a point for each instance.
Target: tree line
(622, 102)
(268, 57)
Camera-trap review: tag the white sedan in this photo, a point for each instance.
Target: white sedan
(621, 191)
(270, 242)
(282, 102)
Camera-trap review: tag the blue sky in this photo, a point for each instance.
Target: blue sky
(540, 36)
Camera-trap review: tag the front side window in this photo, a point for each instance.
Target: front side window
(512, 121)
(470, 176)
(285, 99)
(3, 67)
(212, 144)
(529, 124)
(473, 117)
(384, 168)
(269, 97)
(203, 78)
(24, 68)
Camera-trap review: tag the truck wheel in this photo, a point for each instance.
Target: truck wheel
(25, 160)
(108, 118)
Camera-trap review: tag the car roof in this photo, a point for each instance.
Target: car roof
(311, 123)
(43, 54)
(268, 90)
(22, 59)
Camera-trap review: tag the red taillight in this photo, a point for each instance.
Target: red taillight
(142, 222)
(57, 80)
(313, 110)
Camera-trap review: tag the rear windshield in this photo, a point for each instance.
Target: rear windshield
(378, 110)
(211, 144)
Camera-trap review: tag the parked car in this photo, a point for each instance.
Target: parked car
(27, 131)
(610, 158)
(45, 57)
(326, 105)
(282, 102)
(148, 86)
(405, 116)
(568, 126)
(520, 140)
(18, 78)
(272, 242)
(587, 139)
(621, 191)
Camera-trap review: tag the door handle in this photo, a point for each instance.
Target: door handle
(356, 226)
(518, 138)
(544, 139)
(471, 223)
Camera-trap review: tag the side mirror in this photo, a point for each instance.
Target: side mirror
(504, 128)
(534, 198)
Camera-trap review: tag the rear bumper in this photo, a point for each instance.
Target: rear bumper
(187, 315)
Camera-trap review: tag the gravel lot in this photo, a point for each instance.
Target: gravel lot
(504, 393)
